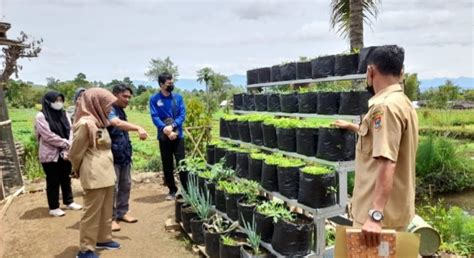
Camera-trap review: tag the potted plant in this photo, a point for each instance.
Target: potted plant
(229, 245)
(286, 134)
(219, 195)
(256, 130)
(242, 162)
(275, 73)
(232, 126)
(335, 144)
(253, 249)
(273, 102)
(178, 203)
(188, 210)
(307, 137)
(266, 214)
(219, 151)
(243, 128)
(223, 128)
(322, 67)
(289, 102)
(213, 230)
(189, 167)
(293, 235)
(210, 153)
(328, 103)
(307, 101)
(269, 133)
(354, 102)
(249, 201)
(203, 177)
(318, 187)
(345, 64)
(303, 70)
(203, 210)
(233, 191)
(255, 166)
(288, 177)
(263, 75)
(288, 71)
(252, 77)
(238, 101)
(269, 179)
(261, 100)
(231, 157)
(249, 102)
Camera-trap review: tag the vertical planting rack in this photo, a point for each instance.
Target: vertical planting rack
(341, 167)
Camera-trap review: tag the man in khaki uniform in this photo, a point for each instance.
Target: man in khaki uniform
(384, 191)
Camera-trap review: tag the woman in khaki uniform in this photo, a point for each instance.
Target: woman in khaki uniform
(92, 162)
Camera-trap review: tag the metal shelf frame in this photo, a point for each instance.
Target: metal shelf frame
(304, 81)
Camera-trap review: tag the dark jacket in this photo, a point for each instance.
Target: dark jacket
(121, 145)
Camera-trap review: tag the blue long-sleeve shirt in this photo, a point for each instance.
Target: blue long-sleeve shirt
(161, 108)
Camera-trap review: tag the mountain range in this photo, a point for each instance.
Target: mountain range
(240, 80)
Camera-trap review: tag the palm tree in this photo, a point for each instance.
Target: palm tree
(205, 75)
(348, 16)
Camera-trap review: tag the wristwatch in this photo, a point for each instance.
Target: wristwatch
(376, 215)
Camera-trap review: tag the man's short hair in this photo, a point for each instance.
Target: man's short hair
(388, 59)
(162, 78)
(119, 88)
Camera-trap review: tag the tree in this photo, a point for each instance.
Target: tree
(52, 82)
(451, 91)
(468, 95)
(205, 75)
(412, 86)
(158, 66)
(81, 81)
(348, 16)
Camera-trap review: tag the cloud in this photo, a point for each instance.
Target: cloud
(258, 9)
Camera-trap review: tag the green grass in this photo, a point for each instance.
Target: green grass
(455, 123)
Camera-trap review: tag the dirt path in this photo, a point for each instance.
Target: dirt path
(28, 231)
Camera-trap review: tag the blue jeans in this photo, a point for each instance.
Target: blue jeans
(123, 185)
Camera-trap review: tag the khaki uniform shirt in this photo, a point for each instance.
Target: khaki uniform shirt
(389, 130)
(95, 166)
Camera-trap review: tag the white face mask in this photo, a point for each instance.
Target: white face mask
(58, 105)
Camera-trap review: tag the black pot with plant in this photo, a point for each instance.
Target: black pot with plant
(210, 149)
(231, 158)
(238, 101)
(242, 164)
(363, 55)
(178, 203)
(229, 245)
(354, 102)
(288, 71)
(233, 128)
(187, 213)
(213, 230)
(211, 187)
(266, 214)
(256, 132)
(335, 144)
(219, 153)
(307, 141)
(286, 138)
(318, 187)
(273, 102)
(219, 197)
(346, 64)
(269, 179)
(323, 67)
(264, 75)
(289, 102)
(303, 70)
(244, 130)
(231, 204)
(328, 103)
(249, 102)
(308, 102)
(275, 73)
(289, 177)
(269, 135)
(223, 129)
(293, 236)
(252, 76)
(253, 248)
(261, 102)
(255, 166)
(203, 210)
(246, 206)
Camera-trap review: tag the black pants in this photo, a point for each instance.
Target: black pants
(58, 175)
(167, 150)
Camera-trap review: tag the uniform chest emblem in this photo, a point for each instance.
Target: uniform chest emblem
(159, 103)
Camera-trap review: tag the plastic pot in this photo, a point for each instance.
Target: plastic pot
(238, 101)
(269, 136)
(231, 205)
(275, 73)
(223, 129)
(232, 251)
(244, 131)
(354, 102)
(308, 102)
(335, 144)
(316, 190)
(255, 169)
(273, 102)
(249, 102)
(219, 197)
(197, 231)
(288, 181)
(263, 75)
(246, 210)
(288, 72)
(363, 55)
(323, 67)
(211, 187)
(256, 132)
(264, 226)
(289, 103)
(211, 241)
(233, 129)
(303, 70)
(219, 153)
(269, 177)
(187, 213)
(346, 64)
(247, 252)
(210, 154)
(242, 164)
(293, 238)
(252, 77)
(179, 201)
(230, 159)
(261, 102)
(328, 103)
(306, 141)
(286, 138)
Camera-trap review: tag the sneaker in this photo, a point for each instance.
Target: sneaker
(88, 254)
(112, 245)
(115, 226)
(170, 197)
(74, 206)
(57, 212)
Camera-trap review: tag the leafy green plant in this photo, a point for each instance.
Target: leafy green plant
(230, 117)
(220, 172)
(192, 165)
(330, 236)
(253, 238)
(258, 155)
(273, 159)
(317, 170)
(204, 206)
(286, 123)
(257, 117)
(275, 210)
(191, 195)
(229, 241)
(206, 174)
(290, 163)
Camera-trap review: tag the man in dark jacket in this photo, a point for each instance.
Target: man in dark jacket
(168, 113)
(122, 152)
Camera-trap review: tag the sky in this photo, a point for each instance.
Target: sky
(113, 39)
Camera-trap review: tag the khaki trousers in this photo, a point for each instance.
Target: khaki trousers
(356, 224)
(96, 220)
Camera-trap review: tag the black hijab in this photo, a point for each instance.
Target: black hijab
(57, 119)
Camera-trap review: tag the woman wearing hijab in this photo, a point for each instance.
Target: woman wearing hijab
(92, 162)
(53, 132)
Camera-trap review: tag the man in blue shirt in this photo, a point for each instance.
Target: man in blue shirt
(168, 113)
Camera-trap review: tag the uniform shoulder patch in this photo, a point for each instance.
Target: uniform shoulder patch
(376, 117)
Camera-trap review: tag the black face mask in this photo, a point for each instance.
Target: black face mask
(170, 88)
(370, 89)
